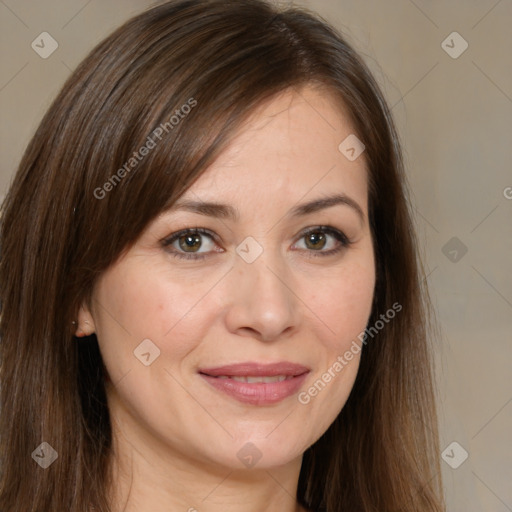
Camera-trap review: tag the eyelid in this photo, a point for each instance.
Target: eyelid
(336, 233)
(186, 231)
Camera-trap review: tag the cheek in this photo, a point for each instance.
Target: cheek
(134, 306)
(130, 304)
(344, 302)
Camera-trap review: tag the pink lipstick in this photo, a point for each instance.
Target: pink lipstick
(257, 383)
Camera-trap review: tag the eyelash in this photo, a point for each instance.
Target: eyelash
(329, 230)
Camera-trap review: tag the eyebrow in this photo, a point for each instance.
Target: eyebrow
(225, 211)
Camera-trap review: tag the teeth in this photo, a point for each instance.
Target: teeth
(253, 380)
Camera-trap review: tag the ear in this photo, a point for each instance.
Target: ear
(85, 322)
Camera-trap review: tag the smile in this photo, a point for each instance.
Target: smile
(256, 383)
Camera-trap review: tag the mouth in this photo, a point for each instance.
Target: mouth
(254, 379)
(257, 383)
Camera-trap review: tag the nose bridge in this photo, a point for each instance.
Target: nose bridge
(262, 298)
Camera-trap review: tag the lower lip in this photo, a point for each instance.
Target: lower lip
(257, 393)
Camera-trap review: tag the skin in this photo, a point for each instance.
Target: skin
(176, 438)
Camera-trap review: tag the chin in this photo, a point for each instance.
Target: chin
(252, 452)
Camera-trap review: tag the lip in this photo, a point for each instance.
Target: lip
(257, 393)
(256, 369)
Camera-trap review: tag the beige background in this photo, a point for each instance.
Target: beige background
(454, 116)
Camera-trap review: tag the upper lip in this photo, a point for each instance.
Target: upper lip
(253, 369)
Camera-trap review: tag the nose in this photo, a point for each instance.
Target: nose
(262, 302)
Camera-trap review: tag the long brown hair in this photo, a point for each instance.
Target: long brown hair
(62, 226)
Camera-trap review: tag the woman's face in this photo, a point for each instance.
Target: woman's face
(264, 277)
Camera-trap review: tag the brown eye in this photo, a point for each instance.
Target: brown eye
(315, 240)
(190, 243)
(322, 241)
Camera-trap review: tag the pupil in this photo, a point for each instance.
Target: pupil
(190, 242)
(316, 240)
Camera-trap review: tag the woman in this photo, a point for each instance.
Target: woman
(210, 293)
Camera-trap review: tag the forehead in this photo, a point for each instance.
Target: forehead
(287, 149)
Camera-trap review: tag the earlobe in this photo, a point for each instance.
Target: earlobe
(85, 323)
